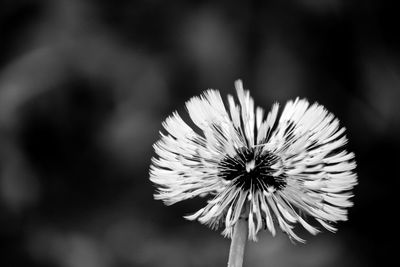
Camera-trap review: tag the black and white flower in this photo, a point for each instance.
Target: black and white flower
(276, 171)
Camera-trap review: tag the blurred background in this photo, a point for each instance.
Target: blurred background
(85, 85)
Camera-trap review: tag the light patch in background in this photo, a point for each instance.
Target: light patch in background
(68, 249)
(128, 135)
(137, 242)
(125, 241)
(322, 6)
(28, 76)
(318, 252)
(212, 45)
(19, 188)
(382, 77)
(280, 74)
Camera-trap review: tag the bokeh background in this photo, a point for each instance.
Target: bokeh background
(85, 85)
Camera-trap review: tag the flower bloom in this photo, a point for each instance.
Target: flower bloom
(272, 171)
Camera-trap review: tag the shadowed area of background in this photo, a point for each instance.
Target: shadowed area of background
(85, 85)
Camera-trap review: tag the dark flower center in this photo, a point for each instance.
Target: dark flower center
(251, 169)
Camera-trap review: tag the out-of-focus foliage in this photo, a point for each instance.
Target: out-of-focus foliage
(84, 86)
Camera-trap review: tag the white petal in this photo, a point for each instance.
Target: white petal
(195, 215)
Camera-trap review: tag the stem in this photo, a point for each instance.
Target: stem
(238, 244)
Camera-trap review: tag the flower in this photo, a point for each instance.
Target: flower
(275, 172)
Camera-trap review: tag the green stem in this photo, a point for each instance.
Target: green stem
(238, 244)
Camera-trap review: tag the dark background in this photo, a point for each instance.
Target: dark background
(85, 85)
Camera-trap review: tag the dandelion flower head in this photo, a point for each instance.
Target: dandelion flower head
(275, 171)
